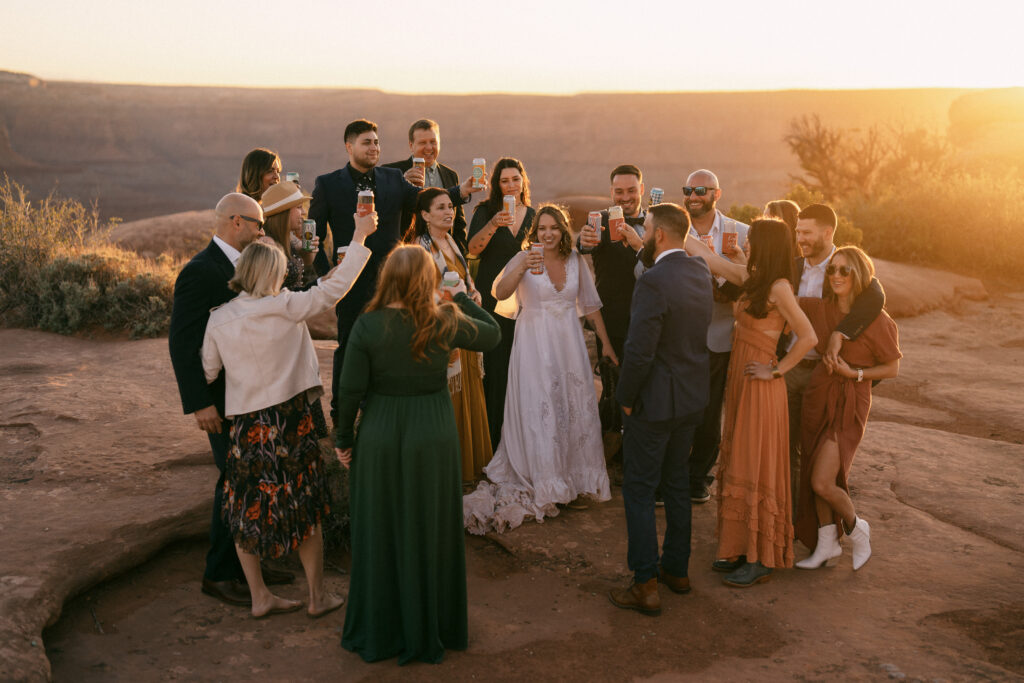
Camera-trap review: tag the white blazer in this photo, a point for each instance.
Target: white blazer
(263, 343)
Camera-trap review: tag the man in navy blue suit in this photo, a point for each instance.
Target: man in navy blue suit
(334, 205)
(663, 390)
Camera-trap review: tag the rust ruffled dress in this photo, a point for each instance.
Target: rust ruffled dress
(754, 503)
(836, 407)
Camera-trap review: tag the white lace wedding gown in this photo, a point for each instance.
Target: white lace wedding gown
(551, 449)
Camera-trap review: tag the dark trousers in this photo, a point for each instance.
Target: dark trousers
(797, 380)
(221, 560)
(709, 433)
(654, 452)
(344, 327)
(496, 368)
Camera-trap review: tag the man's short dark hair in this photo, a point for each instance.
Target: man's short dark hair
(423, 124)
(671, 218)
(821, 214)
(357, 128)
(626, 169)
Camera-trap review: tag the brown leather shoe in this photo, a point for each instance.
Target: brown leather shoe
(276, 577)
(643, 597)
(233, 592)
(676, 584)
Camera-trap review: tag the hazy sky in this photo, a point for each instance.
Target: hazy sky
(543, 46)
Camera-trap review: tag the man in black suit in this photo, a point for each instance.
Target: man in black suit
(425, 143)
(663, 390)
(333, 207)
(202, 285)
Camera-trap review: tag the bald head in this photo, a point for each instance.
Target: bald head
(239, 219)
(702, 177)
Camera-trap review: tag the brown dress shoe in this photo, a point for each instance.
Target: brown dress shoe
(643, 597)
(677, 584)
(233, 592)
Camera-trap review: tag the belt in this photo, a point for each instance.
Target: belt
(808, 363)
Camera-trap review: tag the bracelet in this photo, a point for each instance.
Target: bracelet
(860, 374)
(776, 374)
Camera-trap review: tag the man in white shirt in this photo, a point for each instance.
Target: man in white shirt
(708, 224)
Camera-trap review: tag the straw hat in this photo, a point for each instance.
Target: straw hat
(282, 196)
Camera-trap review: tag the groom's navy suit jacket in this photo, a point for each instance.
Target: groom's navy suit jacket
(664, 373)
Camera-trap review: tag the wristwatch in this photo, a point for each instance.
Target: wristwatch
(860, 374)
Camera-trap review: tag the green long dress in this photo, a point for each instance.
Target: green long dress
(407, 595)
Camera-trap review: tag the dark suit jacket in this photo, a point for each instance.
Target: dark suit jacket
(665, 373)
(201, 285)
(448, 178)
(332, 206)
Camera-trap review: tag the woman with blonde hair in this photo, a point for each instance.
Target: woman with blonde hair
(835, 412)
(433, 218)
(551, 452)
(407, 594)
(261, 168)
(275, 494)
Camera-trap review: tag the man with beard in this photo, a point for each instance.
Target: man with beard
(815, 229)
(333, 207)
(663, 389)
(702, 193)
(425, 143)
(615, 255)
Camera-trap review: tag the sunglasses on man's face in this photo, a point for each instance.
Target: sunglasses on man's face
(700, 190)
(258, 222)
(842, 270)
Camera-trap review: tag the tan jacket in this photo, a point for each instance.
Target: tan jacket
(263, 343)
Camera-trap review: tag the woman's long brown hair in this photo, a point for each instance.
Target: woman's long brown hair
(410, 277)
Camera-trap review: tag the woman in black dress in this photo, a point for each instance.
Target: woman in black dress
(495, 236)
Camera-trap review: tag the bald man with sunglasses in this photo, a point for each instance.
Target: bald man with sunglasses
(707, 223)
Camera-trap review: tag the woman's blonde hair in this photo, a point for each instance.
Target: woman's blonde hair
(260, 270)
(410, 277)
(862, 269)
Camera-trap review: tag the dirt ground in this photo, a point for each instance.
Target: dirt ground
(940, 477)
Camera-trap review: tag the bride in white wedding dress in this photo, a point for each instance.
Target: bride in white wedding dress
(551, 451)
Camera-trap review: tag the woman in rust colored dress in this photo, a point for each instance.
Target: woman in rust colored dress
(835, 414)
(755, 529)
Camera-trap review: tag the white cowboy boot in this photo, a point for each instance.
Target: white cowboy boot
(826, 552)
(861, 539)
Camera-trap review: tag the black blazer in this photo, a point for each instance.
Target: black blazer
(201, 286)
(448, 178)
(332, 206)
(614, 263)
(665, 373)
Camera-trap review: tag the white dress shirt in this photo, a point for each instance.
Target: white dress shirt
(229, 251)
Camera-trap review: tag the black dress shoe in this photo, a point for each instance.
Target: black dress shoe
(276, 577)
(727, 566)
(233, 592)
(747, 575)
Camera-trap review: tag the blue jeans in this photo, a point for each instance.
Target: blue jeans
(654, 452)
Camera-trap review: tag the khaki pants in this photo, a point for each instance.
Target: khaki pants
(797, 380)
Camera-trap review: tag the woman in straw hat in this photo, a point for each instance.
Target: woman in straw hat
(284, 207)
(275, 493)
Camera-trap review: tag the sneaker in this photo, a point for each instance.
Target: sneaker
(700, 493)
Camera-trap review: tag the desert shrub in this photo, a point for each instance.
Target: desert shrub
(846, 232)
(57, 273)
(744, 213)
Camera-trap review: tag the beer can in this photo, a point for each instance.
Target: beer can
(709, 241)
(510, 204)
(291, 177)
(419, 162)
(537, 248)
(479, 171)
(657, 194)
(364, 204)
(594, 220)
(728, 243)
(615, 221)
(308, 233)
(341, 254)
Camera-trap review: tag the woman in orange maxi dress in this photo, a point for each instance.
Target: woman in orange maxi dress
(755, 529)
(836, 404)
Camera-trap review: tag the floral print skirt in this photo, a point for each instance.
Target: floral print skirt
(275, 488)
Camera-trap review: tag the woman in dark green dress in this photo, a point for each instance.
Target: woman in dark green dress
(495, 235)
(407, 596)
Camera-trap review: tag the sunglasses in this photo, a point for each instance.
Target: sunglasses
(842, 270)
(258, 222)
(700, 190)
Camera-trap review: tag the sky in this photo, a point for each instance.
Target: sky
(529, 46)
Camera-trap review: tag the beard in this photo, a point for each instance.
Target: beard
(647, 254)
(814, 249)
(704, 208)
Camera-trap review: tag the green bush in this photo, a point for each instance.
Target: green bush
(58, 273)
(744, 213)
